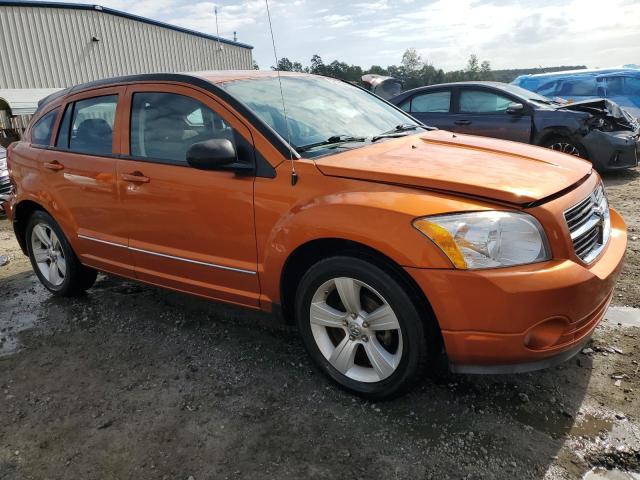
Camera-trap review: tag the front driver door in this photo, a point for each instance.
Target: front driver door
(484, 112)
(190, 230)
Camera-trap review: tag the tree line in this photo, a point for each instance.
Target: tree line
(413, 71)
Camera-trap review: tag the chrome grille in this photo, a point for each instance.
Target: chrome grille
(589, 225)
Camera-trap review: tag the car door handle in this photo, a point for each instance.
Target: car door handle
(135, 177)
(462, 122)
(55, 166)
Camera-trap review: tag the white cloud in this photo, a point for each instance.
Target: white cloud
(508, 33)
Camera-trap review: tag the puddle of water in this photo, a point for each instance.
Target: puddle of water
(590, 427)
(627, 316)
(9, 329)
(604, 474)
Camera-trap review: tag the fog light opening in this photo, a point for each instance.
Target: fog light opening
(545, 334)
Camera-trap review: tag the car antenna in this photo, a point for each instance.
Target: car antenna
(294, 174)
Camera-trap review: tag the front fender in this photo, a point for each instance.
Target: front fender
(377, 215)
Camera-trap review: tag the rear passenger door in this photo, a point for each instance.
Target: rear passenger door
(80, 169)
(189, 229)
(432, 108)
(483, 111)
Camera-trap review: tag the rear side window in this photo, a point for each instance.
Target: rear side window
(435, 102)
(482, 101)
(581, 87)
(165, 125)
(43, 128)
(87, 125)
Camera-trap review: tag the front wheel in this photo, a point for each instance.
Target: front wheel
(53, 260)
(362, 327)
(565, 145)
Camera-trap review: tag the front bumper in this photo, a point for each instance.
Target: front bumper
(612, 150)
(522, 317)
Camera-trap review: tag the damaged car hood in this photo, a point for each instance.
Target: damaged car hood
(602, 106)
(482, 167)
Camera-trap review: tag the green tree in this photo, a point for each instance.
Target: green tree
(255, 65)
(485, 71)
(286, 65)
(473, 68)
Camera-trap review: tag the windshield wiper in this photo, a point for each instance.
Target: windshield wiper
(333, 140)
(404, 127)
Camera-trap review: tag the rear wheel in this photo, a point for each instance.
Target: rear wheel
(361, 326)
(52, 258)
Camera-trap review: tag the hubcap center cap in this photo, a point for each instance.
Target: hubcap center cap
(354, 329)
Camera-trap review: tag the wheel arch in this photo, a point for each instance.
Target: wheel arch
(22, 212)
(309, 253)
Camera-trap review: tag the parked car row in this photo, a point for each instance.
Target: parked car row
(596, 130)
(388, 243)
(620, 85)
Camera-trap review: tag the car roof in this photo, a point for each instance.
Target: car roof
(478, 83)
(214, 77)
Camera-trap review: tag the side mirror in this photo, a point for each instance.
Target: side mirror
(515, 108)
(215, 154)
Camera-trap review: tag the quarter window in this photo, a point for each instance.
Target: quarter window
(434, 102)
(43, 128)
(165, 125)
(481, 101)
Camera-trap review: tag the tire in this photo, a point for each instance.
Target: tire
(565, 145)
(343, 345)
(53, 260)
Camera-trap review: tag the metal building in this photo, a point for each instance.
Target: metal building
(55, 45)
(46, 45)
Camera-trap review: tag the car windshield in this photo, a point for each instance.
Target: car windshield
(324, 113)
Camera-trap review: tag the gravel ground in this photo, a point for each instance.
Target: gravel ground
(135, 382)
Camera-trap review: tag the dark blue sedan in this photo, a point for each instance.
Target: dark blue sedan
(596, 130)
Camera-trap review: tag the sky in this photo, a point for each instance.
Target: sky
(507, 33)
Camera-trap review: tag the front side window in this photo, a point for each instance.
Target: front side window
(434, 102)
(318, 108)
(87, 126)
(482, 101)
(165, 125)
(43, 128)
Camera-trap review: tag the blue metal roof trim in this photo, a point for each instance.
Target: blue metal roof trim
(111, 11)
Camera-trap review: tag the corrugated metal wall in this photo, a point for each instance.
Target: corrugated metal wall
(51, 47)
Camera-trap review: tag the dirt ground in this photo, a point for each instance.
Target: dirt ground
(136, 382)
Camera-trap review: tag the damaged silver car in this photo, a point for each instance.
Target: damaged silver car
(596, 130)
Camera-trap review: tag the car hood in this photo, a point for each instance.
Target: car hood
(482, 167)
(601, 106)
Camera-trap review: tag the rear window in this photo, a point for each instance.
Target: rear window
(434, 102)
(87, 125)
(43, 128)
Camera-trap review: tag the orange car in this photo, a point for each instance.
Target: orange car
(385, 241)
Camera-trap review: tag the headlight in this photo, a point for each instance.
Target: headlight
(487, 239)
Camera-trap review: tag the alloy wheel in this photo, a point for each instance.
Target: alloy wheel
(48, 254)
(564, 147)
(356, 329)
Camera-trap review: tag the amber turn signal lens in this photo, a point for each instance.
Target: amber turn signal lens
(443, 239)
